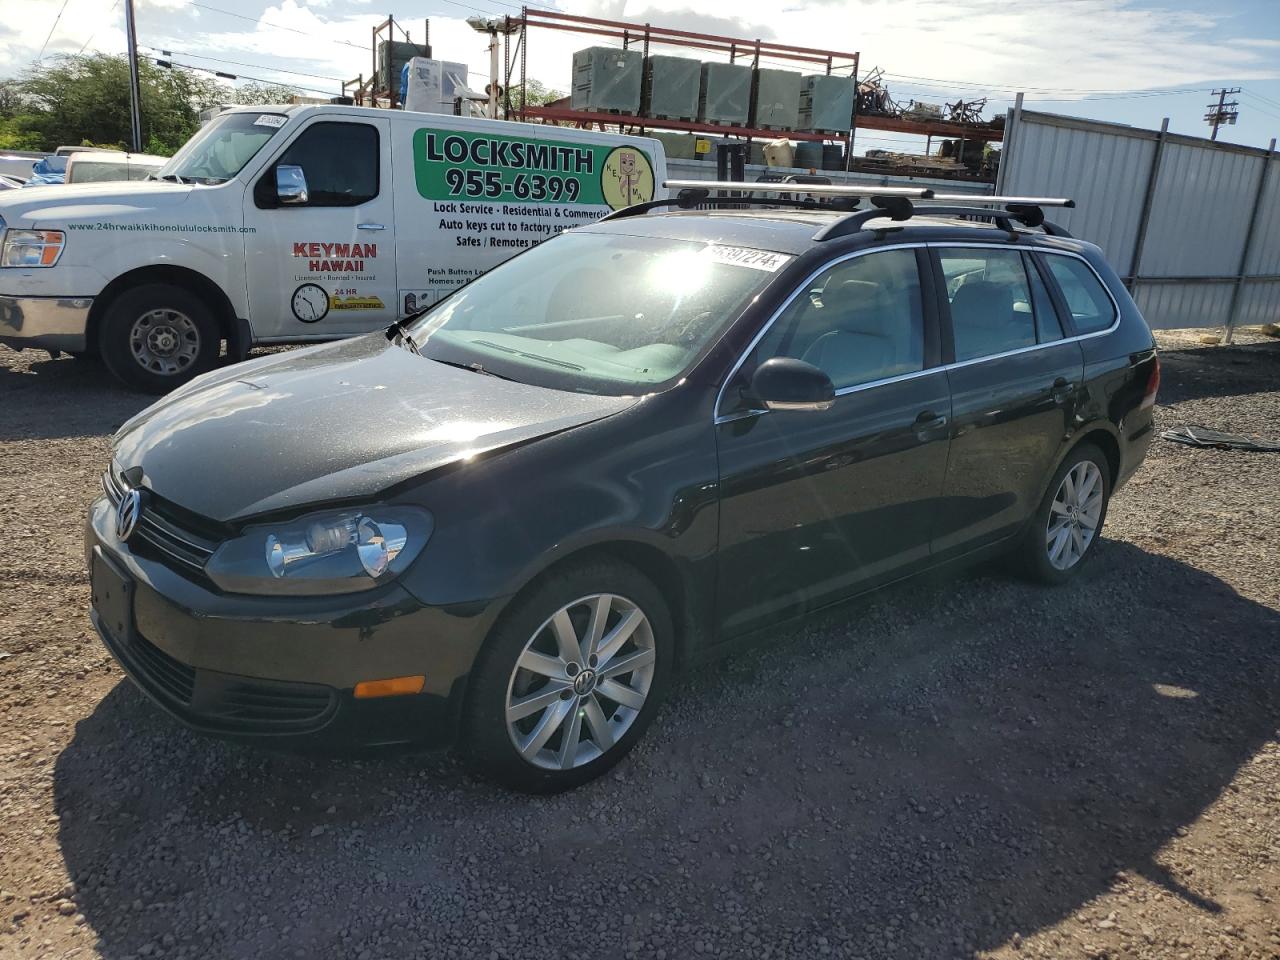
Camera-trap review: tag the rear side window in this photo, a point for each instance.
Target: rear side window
(339, 160)
(858, 321)
(992, 308)
(1091, 307)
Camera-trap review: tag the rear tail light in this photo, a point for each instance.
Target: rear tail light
(1153, 385)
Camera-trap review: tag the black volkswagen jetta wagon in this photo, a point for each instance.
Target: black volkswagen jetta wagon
(505, 523)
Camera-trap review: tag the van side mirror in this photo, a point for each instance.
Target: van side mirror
(784, 383)
(291, 184)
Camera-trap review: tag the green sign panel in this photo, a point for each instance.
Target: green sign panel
(457, 165)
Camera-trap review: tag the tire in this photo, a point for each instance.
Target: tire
(1058, 558)
(158, 336)
(561, 700)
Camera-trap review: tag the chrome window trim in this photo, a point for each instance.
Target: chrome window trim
(717, 418)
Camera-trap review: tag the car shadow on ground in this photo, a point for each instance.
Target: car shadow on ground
(919, 774)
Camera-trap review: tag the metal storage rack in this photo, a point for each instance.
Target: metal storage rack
(810, 60)
(645, 36)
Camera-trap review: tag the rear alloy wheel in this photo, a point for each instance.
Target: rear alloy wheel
(1064, 529)
(569, 679)
(158, 336)
(1074, 515)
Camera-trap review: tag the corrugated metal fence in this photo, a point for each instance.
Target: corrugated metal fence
(1192, 225)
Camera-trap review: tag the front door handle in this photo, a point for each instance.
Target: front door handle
(370, 226)
(1060, 391)
(929, 422)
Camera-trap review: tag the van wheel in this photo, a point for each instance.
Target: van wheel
(158, 336)
(569, 679)
(1069, 520)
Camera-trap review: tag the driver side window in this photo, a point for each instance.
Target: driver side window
(859, 321)
(339, 160)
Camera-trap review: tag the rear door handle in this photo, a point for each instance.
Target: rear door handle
(929, 422)
(370, 226)
(1061, 390)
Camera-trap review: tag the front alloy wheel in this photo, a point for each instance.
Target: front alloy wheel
(569, 678)
(581, 681)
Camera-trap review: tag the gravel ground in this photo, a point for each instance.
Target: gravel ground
(955, 767)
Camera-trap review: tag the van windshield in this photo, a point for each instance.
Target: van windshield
(219, 151)
(597, 313)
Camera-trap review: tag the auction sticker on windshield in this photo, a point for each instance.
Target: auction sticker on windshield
(765, 260)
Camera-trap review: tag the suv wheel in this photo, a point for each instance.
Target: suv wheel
(157, 337)
(1065, 528)
(569, 680)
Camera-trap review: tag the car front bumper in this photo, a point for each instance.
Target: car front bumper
(278, 669)
(47, 323)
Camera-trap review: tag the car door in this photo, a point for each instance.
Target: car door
(817, 504)
(325, 265)
(1015, 381)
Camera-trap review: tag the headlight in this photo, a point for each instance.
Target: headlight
(32, 248)
(337, 551)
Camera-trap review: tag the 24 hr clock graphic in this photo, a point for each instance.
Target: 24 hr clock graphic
(310, 303)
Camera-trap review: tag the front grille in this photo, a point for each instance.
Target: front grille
(160, 530)
(222, 701)
(169, 677)
(258, 703)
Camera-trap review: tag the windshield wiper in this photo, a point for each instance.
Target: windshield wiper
(398, 333)
(169, 176)
(474, 368)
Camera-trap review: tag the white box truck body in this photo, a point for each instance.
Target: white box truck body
(279, 224)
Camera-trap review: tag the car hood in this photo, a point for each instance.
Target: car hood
(340, 421)
(71, 201)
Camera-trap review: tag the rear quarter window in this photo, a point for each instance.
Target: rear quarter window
(1090, 304)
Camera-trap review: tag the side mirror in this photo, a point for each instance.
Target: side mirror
(785, 383)
(291, 184)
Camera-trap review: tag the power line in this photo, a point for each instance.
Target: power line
(231, 76)
(92, 35)
(241, 63)
(40, 55)
(1260, 109)
(277, 26)
(1258, 96)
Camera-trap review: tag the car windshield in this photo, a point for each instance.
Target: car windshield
(219, 151)
(597, 313)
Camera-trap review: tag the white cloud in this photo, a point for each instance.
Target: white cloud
(26, 24)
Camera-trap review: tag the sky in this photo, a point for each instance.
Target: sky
(1126, 61)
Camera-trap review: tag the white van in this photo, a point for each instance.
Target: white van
(282, 224)
(102, 166)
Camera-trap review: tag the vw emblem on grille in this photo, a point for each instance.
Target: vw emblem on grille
(127, 514)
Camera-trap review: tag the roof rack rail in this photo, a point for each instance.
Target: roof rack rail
(689, 199)
(816, 189)
(900, 209)
(983, 198)
(896, 203)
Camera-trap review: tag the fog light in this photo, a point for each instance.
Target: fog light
(395, 687)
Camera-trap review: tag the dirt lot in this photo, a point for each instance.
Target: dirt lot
(956, 767)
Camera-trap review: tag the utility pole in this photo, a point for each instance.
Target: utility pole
(1222, 111)
(494, 27)
(135, 107)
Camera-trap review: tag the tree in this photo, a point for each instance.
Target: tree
(261, 94)
(537, 93)
(85, 99)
